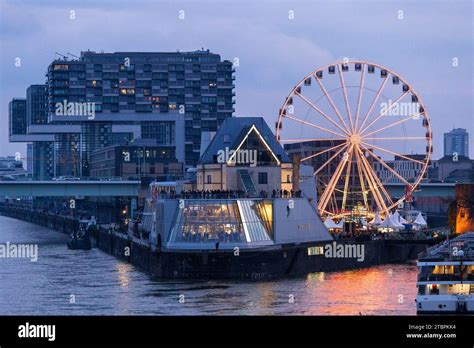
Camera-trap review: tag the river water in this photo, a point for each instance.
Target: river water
(78, 282)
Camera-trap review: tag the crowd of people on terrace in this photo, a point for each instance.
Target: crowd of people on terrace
(229, 194)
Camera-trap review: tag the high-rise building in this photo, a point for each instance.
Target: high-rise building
(17, 118)
(25, 115)
(42, 151)
(456, 142)
(106, 99)
(170, 97)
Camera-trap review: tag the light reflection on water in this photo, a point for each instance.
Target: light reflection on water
(103, 285)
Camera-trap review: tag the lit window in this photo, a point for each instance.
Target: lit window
(61, 67)
(317, 250)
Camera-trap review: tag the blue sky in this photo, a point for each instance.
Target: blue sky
(274, 51)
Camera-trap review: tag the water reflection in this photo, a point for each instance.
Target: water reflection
(123, 270)
(104, 285)
(363, 292)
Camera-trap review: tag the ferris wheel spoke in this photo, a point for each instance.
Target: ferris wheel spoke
(328, 191)
(395, 138)
(365, 176)
(362, 182)
(346, 100)
(394, 153)
(314, 126)
(411, 117)
(333, 201)
(346, 181)
(310, 139)
(379, 184)
(329, 98)
(330, 159)
(359, 98)
(369, 181)
(321, 152)
(307, 101)
(385, 112)
(331, 185)
(386, 166)
(372, 182)
(377, 95)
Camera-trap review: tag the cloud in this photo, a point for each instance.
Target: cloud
(274, 51)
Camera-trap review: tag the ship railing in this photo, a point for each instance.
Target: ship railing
(439, 277)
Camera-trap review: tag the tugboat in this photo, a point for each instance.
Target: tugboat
(80, 238)
(446, 277)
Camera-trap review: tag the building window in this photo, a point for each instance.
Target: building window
(262, 178)
(209, 179)
(318, 250)
(288, 178)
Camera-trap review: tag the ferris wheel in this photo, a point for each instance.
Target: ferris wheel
(361, 126)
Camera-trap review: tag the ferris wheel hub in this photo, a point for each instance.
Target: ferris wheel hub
(355, 139)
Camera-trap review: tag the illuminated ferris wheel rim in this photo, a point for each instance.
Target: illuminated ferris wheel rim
(354, 136)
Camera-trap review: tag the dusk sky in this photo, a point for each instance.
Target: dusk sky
(275, 52)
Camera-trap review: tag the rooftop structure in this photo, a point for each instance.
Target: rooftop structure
(245, 156)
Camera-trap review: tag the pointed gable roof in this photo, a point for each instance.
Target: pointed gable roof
(234, 130)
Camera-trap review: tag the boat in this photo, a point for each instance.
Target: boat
(446, 277)
(229, 235)
(80, 239)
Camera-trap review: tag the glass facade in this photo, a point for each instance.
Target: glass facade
(98, 135)
(17, 116)
(224, 221)
(42, 160)
(257, 219)
(67, 158)
(36, 105)
(163, 132)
